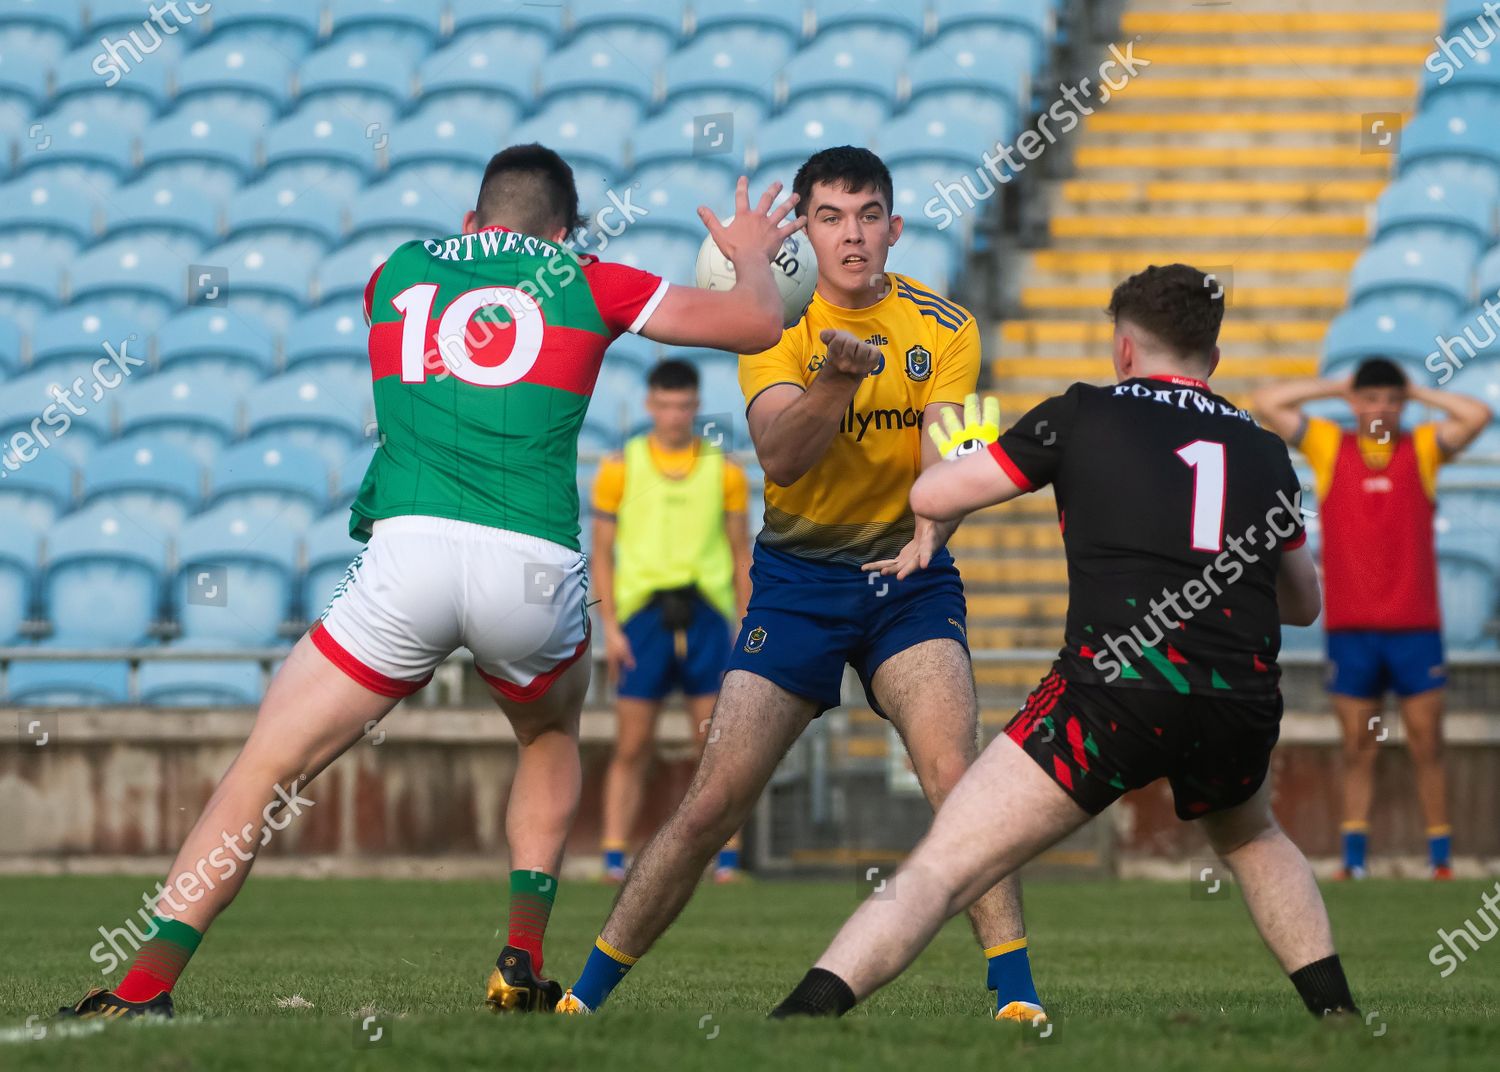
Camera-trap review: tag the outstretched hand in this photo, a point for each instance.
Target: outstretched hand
(758, 233)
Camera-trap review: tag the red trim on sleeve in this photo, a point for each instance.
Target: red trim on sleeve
(1295, 542)
(539, 685)
(357, 671)
(370, 293)
(1017, 477)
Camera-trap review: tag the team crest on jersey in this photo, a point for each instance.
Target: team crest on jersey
(756, 640)
(919, 362)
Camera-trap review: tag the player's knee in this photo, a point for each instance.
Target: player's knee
(1229, 832)
(708, 817)
(633, 751)
(1424, 748)
(943, 773)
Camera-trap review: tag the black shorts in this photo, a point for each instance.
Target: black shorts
(1098, 741)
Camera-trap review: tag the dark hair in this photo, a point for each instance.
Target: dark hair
(1379, 372)
(528, 188)
(673, 374)
(1177, 304)
(846, 166)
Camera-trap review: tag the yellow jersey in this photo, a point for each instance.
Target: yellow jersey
(853, 505)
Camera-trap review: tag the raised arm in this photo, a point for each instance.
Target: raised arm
(1298, 596)
(951, 490)
(1279, 405)
(791, 427)
(746, 318)
(1466, 417)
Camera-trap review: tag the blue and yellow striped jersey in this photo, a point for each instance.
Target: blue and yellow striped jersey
(852, 506)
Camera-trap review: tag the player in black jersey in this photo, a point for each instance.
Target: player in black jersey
(1184, 542)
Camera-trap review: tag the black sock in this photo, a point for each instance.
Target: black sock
(1323, 988)
(820, 993)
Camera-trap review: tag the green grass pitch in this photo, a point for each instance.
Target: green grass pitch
(1136, 974)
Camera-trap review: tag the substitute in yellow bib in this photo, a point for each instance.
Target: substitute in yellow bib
(671, 559)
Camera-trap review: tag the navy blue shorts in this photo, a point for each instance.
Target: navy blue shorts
(660, 667)
(807, 619)
(1368, 663)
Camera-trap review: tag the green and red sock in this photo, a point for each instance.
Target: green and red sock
(531, 896)
(159, 961)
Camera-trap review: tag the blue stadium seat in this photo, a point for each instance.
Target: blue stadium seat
(288, 26)
(1444, 144)
(324, 148)
(915, 137)
(1468, 522)
(589, 139)
(271, 478)
(181, 217)
(213, 683)
(529, 26)
(68, 683)
(20, 544)
(329, 550)
(77, 336)
(30, 287)
(662, 149)
(305, 221)
(328, 338)
(350, 475)
(37, 491)
(591, 73)
(853, 74)
(131, 274)
(1471, 84)
(672, 205)
(1036, 22)
(445, 154)
(745, 70)
(599, 435)
(233, 585)
(129, 93)
(619, 397)
(1446, 210)
(129, 21)
(344, 274)
(144, 477)
(1487, 273)
(42, 28)
(1479, 376)
(243, 81)
(786, 141)
(305, 411)
(929, 257)
(784, 19)
(647, 29)
(47, 219)
(103, 581)
(1467, 594)
(31, 404)
(668, 252)
(190, 409)
(1357, 334)
(482, 79)
(719, 383)
(234, 346)
(1431, 278)
(401, 209)
(895, 26)
(412, 26)
(369, 82)
(261, 281)
(23, 89)
(1456, 13)
(954, 78)
(199, 149)
(85, 152)
(10, 349)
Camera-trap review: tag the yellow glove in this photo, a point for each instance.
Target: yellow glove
(955, 440)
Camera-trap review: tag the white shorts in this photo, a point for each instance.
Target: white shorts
(425, 586)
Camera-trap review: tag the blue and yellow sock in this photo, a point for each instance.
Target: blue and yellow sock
(1010, 974)
(729, 860)
(614, 857)
(1354, 837)
(602, 972)
(1440, 846)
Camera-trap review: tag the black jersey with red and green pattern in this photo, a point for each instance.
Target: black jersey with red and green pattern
(1175, 509)
(484, 351)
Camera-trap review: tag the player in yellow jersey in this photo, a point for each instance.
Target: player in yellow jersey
(843, 572)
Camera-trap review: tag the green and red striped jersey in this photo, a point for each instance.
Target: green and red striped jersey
(484, 349)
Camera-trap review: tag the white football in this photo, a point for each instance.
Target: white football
(795, 268)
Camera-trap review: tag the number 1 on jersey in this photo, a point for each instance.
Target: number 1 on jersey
(1206, 458)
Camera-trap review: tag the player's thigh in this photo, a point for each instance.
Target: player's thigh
(1235, 826)
(1358, 722)
(1422, 721)
(927, 691)
(311, 713)
(635, 727)
(556, 709)
(754, 723)
(1004, 811)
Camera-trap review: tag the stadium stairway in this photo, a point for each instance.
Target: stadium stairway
(1239, 150)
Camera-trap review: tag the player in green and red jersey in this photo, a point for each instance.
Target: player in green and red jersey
(484, 349)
